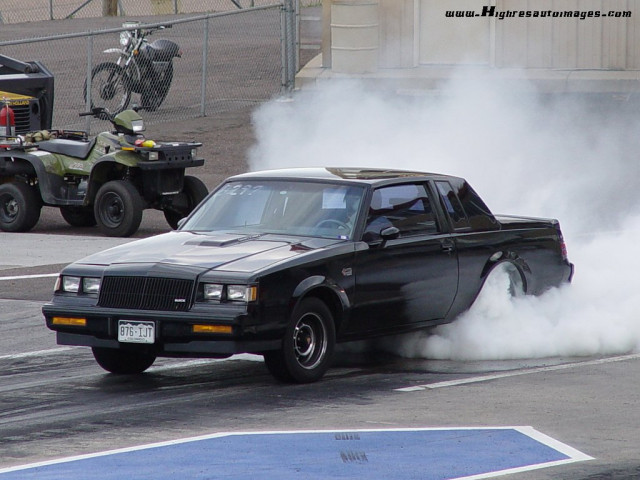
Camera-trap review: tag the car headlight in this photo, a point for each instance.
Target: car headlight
(215, 292)
(212, 292)
(70, 284)
(242, 293)
(91, 285)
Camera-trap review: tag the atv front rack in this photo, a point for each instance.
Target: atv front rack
(168, 155)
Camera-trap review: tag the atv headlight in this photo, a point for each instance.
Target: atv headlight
(137, 125)
(194, 152)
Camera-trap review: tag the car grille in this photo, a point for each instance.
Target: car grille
(146, 293)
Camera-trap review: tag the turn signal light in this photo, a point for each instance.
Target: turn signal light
(212, 329)
(76, 322)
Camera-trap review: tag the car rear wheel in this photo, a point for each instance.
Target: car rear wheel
(308, 345)
(20, 206)
(503, 280)
(193, 192)
(78, 216)
(122, 362)
(118, 208)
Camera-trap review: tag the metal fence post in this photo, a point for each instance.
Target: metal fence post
(205, 56)
(288, 45)
(88, 82)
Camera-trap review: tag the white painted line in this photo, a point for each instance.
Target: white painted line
(573, 454)
(515, 373)
(525, 430)
(26, 277)
(553, 443)
(38, 353)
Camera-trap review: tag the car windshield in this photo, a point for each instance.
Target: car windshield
(282, 207)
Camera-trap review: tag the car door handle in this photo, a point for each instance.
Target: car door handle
(448, 246)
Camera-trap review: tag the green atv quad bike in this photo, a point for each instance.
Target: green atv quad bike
(108, 180)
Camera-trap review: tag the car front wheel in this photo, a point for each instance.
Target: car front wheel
(308, 345)
(121, 361)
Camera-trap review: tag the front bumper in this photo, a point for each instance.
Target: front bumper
(173, 330)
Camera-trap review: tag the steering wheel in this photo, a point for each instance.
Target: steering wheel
(332, 222)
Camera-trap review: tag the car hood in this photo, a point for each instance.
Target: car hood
(223, 251)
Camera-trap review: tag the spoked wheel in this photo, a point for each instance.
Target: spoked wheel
(109, 88)
(193, 192)
(308, 345)
(121, 361)
(20, 206)
(118, 208)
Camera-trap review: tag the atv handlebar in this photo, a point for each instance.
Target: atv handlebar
(98, 112)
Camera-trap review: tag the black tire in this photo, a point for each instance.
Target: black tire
(503, 279)
(78, 216)
(193, 192)
(122, 362)
(20, 206)
(308, 345)
(118, 208)
(109, 88)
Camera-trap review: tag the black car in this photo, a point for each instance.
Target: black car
(285, 263)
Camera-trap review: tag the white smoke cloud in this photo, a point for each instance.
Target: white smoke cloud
(526, 155)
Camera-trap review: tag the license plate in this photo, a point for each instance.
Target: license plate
(131, 331)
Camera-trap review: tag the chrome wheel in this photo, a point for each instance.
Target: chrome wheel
(308, 344)
(309, 341)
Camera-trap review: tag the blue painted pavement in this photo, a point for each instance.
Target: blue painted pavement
(431, 454)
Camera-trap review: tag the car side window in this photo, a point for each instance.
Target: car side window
(452, 205)
(466, 209)
(406, 207)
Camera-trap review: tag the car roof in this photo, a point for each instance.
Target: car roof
(339, 174)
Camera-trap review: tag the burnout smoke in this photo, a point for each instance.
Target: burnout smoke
(526, 155)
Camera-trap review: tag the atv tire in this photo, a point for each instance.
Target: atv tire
(118, 208)
(20, 206)
(78, 216)
(193, 192)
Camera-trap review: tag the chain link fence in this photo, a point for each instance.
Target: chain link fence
(18, 11)
(228, 61)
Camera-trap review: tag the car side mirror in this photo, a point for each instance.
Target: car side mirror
(181, 222)
(389, 233)
(380, 239)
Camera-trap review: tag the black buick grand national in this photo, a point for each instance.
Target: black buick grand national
(286, 263)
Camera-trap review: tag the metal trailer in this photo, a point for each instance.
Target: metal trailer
(27, 87)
